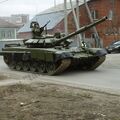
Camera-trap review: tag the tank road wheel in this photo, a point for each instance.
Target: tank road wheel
(7, 58)
(12, 65)
(41, 67)
(19, 66)
(50, 68)
(33, 67)
(26, 66)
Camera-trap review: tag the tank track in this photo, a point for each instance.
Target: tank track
(62, 67)
(56, 68)
(59, 68)
(99, 62)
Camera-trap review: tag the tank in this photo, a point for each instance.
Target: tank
(52, 54)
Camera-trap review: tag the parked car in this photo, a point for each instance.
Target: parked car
(114, 47)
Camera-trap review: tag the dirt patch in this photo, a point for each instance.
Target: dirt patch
(3, 77)
(7, 76)
(56, 102)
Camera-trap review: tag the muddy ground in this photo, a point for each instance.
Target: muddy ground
(43, 101)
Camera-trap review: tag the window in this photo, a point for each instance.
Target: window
(2, 34)
(94, 14)
(110, 16)
(9, 34)
(112, 1)
(19, 19)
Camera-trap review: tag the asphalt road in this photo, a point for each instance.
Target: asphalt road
(104, 78)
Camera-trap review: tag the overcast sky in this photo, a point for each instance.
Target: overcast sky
(32, 7)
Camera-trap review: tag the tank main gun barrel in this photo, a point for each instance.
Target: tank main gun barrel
(82, 29)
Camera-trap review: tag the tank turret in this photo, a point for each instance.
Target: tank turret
(57, 39)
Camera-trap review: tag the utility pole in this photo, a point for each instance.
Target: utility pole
(77, 25)
(65, 18)
(98, 44)
(77, 12)
(55, 3)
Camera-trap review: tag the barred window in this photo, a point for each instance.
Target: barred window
(3, 34)
(94, 14)
(110, 16)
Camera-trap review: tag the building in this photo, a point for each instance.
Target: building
(18, 19)
(7, 30)
(8, 33)
(108, 31)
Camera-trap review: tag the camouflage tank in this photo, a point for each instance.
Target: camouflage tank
(52, 54)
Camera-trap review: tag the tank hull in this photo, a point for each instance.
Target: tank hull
(51, 61)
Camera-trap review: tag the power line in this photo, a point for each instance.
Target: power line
(3, 1)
